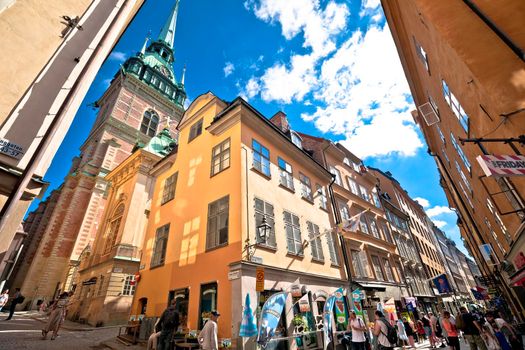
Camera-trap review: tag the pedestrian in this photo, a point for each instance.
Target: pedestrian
(382, 330)
(449, 327)
(56, 317)
(168, 324)
(410, 332)
(208, 335)
(358, 328)
(420, 331)
(471, 329)
(505, 328)
(4, 297)
(427, 326)
(401, 333)
(154, 337)
(17, 299)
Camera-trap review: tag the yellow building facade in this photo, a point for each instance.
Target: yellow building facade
(232, 168)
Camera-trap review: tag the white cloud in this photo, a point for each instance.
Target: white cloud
(106, 83)
(118, 56)
(423, 202)
(251, 89)
(369, 7)
(438, 210)
(440, 223)
(228, 69)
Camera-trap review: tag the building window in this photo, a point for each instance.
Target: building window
(323, 201)
(220, 157)
(286, 174)
(388, 270)
(445, 155)
(345, 213)
(364, 193)
(306, 187)
(377, 268)
(208, 302)
(500, 223)
(149, 124)
(400, 272)
(129, 285)
(441, 136)
(434, 104)
(346, 161)
(195, 130)
(337, 174)
(330, 240)
(467, 197)
(113, 228)
(463, 177)
(494, 235)
(454, 104)
(386, 232)
(160, 245)
(218, 215)
(373, 228)
(265, 210)
(296, 139)
(362, 224)
(293, 233)
(421, 53)
(101, 285)
(168, 193)
(314, 237)
(375, 198)
(261, 158)
(462, 156)
(356, 262)
(352, 185)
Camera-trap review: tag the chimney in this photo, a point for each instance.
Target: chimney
(280, 120)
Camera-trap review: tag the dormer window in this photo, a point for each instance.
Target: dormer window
(296, 139)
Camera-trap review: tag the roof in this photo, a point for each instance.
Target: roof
(161, 144)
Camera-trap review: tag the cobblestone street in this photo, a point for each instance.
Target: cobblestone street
(24, 332)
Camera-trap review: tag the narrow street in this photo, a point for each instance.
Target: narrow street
(24, 332)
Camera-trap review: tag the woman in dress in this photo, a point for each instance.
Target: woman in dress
(58, 313)
(402, 334)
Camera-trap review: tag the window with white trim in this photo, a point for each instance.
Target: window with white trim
(261, 158)
(373, 227)
(360, 263)
(421, 53)
(456, 107)
(377, 268)
(337, 174)
(352, 185)
(332, 247)
(306, 187)
(345, 213)
(286, 174)
(323, 200)
(462, 155)
(463, 177)
(264, 209)
(388, 270)
(129, 285)
(220, 157)
(363, 224)
(500, 223)
(364, 193)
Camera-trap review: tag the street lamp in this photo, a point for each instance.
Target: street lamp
(263, 232)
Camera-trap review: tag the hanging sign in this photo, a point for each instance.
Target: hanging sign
(259, 279)
(340, 311)
(442, 284)
(502, 165)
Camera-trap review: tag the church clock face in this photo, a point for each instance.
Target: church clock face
(165, 71)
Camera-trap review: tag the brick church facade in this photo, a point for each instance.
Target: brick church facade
(143, 98)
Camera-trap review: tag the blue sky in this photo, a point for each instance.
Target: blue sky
(331, 66)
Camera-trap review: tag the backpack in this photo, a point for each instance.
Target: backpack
(391, 334)
(170, 320)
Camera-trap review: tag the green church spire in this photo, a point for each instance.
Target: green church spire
(167, 34)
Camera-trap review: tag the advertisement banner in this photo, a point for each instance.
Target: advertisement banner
(270, 316)
(304, 304)
(502, 165)
(442, 285)
(357, 296)
(340, 309)
(327, 321)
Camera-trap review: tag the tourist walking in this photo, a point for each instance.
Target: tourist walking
(409, 332)
(168, 323)
(449, 328)
(428, 330)
(208, 335)
(57, 316)
(421, 335)
(505, 329)
(471, 329)
(401, 333)
(358, 328)
(17, 299)
(4, 297)
(381, 331)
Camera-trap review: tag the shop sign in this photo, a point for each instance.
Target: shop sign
(11, 149)
(502, 165)
(304, 304)
(233, 275)
(259, 279)
(519, 261)
(296, 290)
(340, 312)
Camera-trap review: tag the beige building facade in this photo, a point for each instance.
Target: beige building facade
(466, 75)
(51, 52)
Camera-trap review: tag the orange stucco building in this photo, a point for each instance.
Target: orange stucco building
(232, 168)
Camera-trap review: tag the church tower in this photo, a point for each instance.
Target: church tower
(143, 98)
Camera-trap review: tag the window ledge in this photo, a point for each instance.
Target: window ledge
(216, 247)
(267, 177)
(266, 247)
(294, 255)
(309, 200)
(292, 190)
(169, 200)
(318, 261)
(156, 266)
(222, 170)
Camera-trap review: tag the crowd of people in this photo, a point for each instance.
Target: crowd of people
(488, 331)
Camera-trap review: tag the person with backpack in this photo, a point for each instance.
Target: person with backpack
(469, 324)
(168, 323)
(358, 328)
(384, 332)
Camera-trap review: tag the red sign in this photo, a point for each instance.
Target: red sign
(519, 260)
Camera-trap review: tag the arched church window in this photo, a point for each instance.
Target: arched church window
(150, 121)
(113, 228)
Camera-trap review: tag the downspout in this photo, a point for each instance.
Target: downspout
(337, 220)
(247, 199)
(504, 37)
